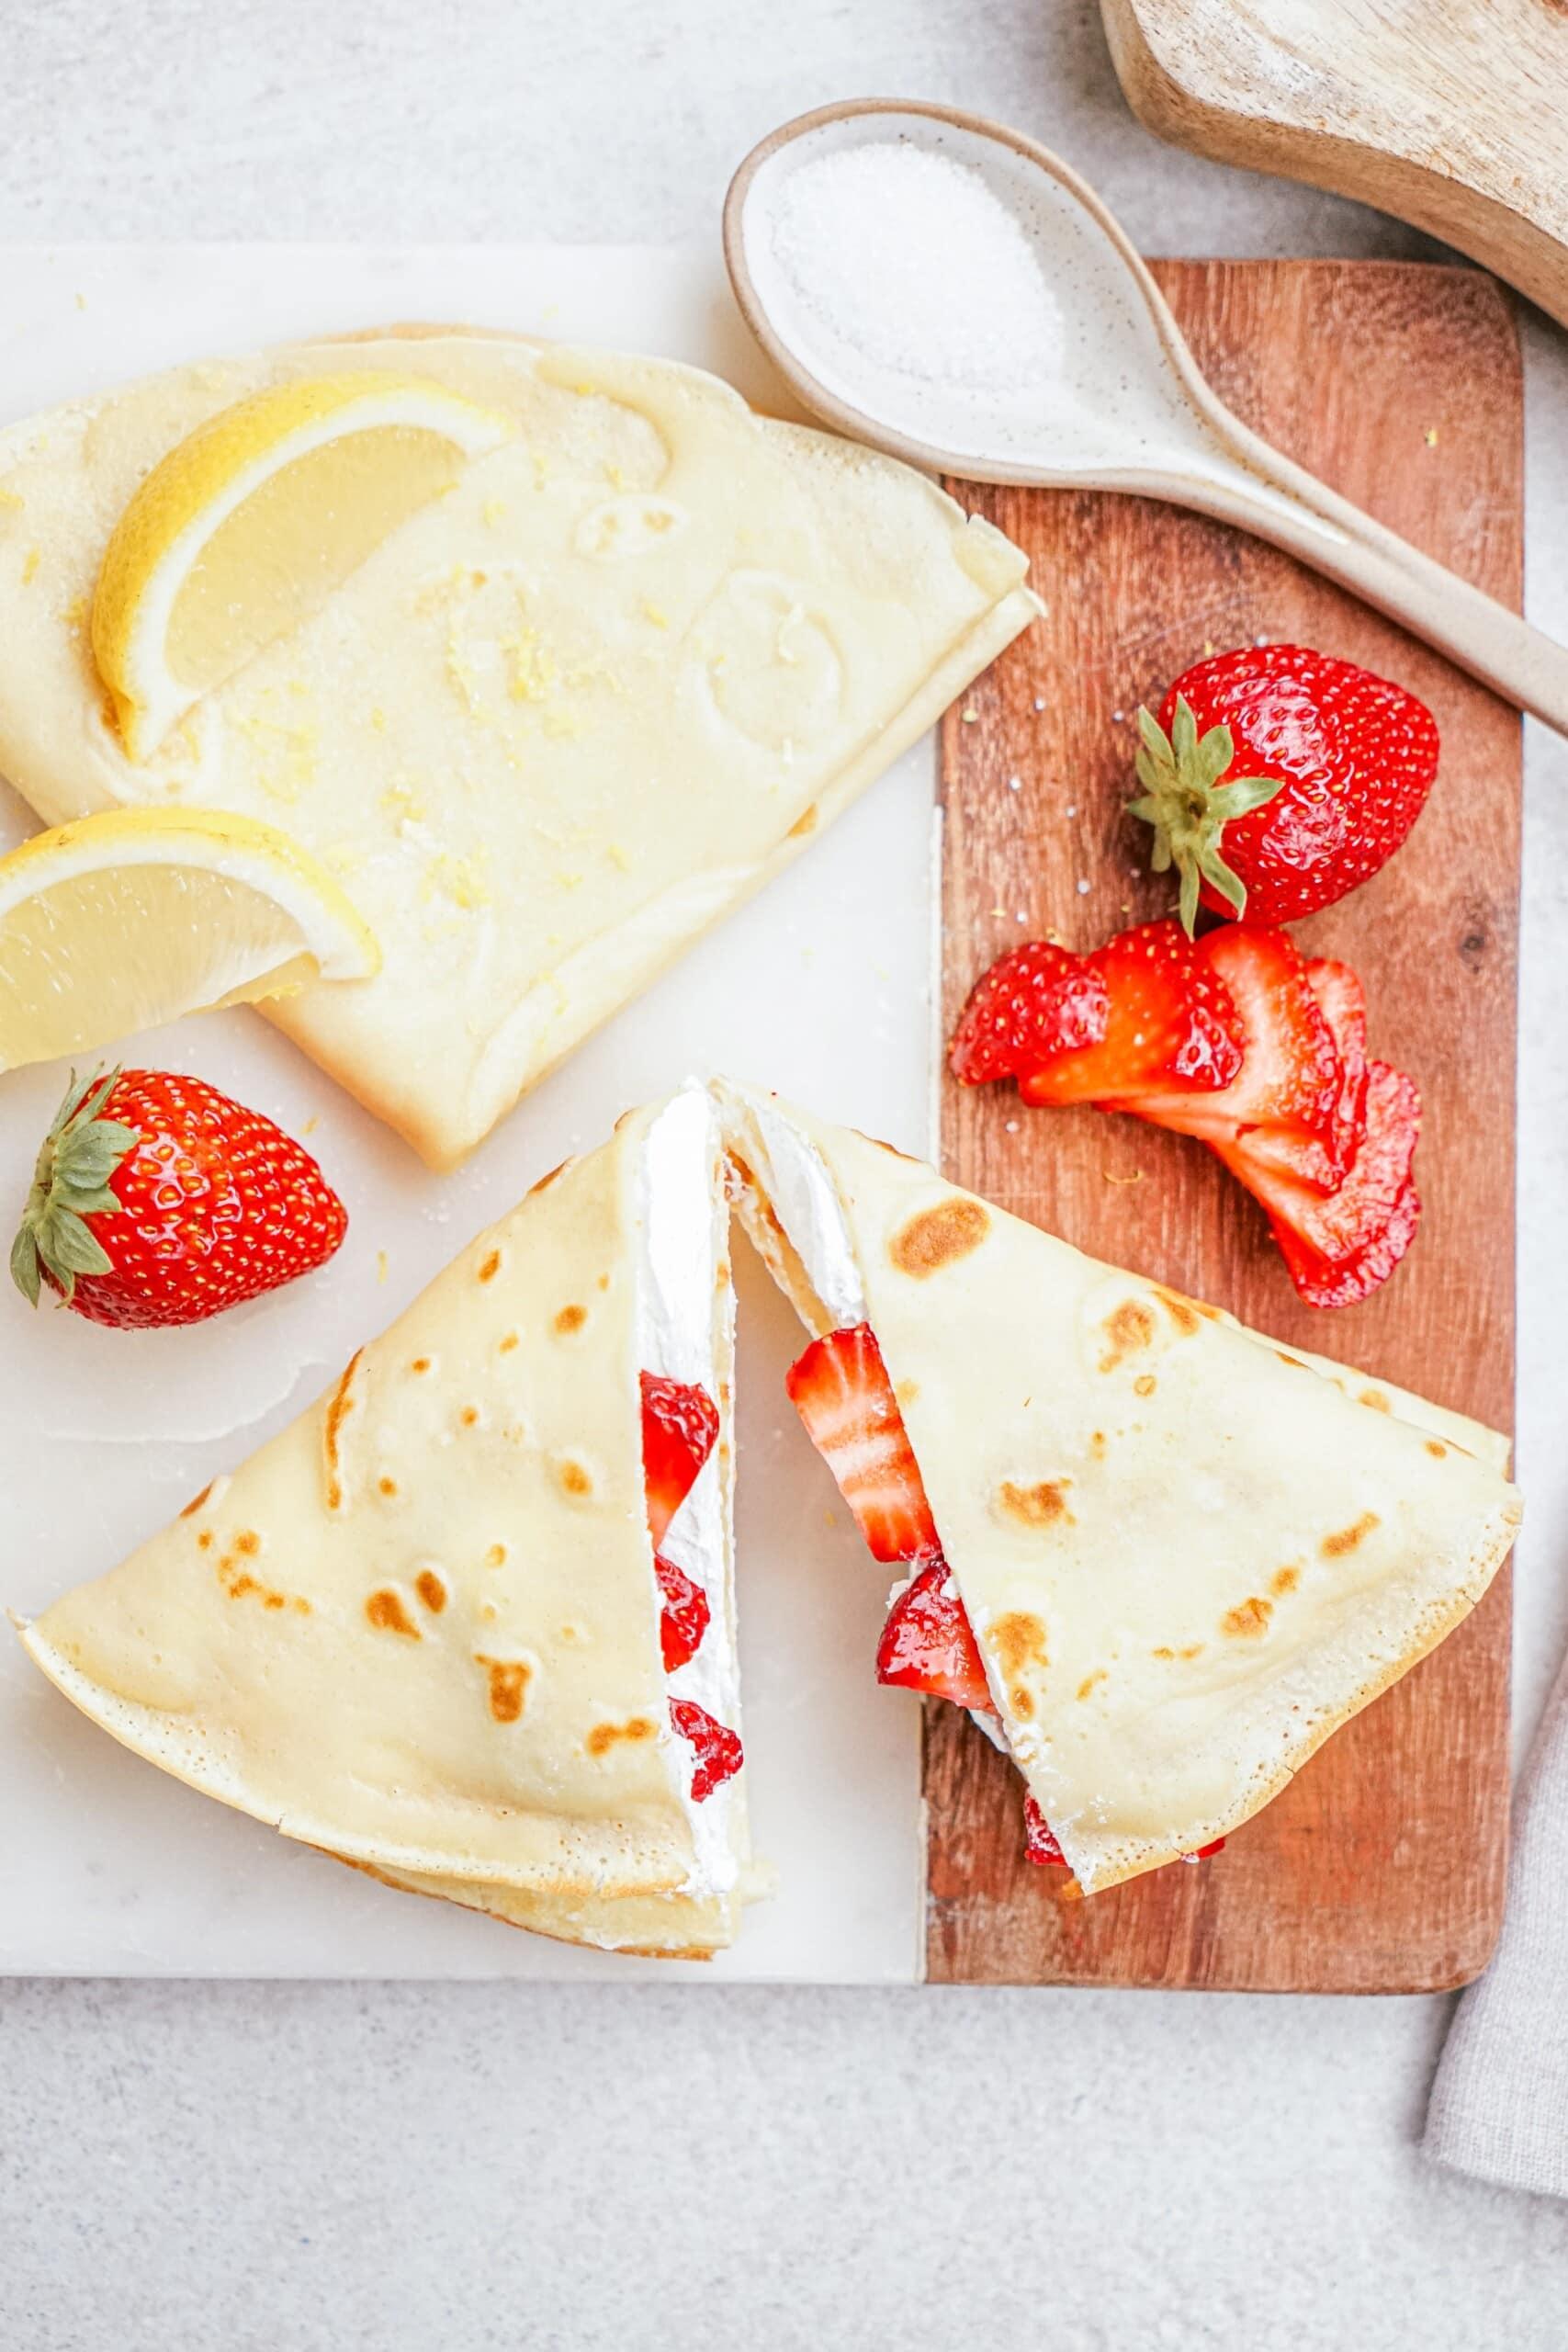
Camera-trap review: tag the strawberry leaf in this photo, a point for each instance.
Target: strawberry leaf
(1189, 807)
(1243, 795)
(79, 1155)
(24, 1271)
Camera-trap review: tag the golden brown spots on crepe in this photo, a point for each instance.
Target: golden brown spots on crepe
(420, 1363)
(1087, 1686)
(1097, 1445)
(603, 1281)
(205, 1538)
(1338, 1547)
(505, 1344)
(1185, 1313)
(1128, 1328)
(508, 1685)
(721, 1273)
(196, 1501)
(907, 1391)
(569, 1319)
(1247, 1621)
(1019, 1639)
(387, 1487)
(496, 1556)
(1144, 1385)
(469, 1416)
(1376, 1400)
(386, 1611)
(1037, 1506)
(340, 1405)
(805, 824)
(604, 1737)
(490, 1267)
(1284, 1580)
(431, 1591)
(575, 1479)
(1162, 1652)
(248, 1542)
(546, 1181)
(240, 1585)
(939, 1236)
(1438, 1452)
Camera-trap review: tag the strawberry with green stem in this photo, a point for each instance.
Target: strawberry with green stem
(1277, 779)
(157, 1200)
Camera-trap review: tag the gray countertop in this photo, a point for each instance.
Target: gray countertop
(288, 2168)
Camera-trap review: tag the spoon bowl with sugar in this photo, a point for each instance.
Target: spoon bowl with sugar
(951, 291)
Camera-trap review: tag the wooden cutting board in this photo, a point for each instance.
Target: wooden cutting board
(1382, 1868)
(1448, 114)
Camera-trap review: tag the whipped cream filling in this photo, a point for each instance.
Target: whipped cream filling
(802, 1195)
(803, 1198)
(684, 1331)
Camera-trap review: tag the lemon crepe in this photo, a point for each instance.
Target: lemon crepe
(421, 1628)
(1188, 1555)
(592, 691)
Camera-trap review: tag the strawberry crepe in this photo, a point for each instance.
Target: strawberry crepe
(1160, 1558)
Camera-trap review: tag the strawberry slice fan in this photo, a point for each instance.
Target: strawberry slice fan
(1237, 1039)
(841, 1390)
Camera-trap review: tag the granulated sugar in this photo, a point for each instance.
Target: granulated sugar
(909, 259)
(947, 287)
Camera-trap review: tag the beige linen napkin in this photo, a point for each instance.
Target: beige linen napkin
(1499, 2105)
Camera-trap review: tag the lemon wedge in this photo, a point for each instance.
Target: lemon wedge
(248, 524)
(124, 921)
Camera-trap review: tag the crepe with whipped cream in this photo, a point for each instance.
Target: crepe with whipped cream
(421, 1628)
(557, 723)
(1186, 1555)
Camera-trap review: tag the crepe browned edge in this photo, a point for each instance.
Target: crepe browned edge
(203, 1755)
(1493, 1543)
(468, 1899)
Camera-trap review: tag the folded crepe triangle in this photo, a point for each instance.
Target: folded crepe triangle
(422, 1628)
(556, 724)
(1186, 1555)
(469, 1622)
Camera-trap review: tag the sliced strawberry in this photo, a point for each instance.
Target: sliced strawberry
(1201, 1853)
(1039, 1838)
(1290, 1076)
(684, 1618)
(841, 1390)
(1170, 1024)
(1339, 1248)
(1342, 1001)
(928, 1642)
(719, 1753)
(1143, 1011)
(1035, 1004)
(680, 1426)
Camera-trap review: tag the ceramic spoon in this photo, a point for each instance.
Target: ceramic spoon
(1033, 346)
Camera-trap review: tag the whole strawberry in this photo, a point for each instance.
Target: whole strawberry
(158, 1200)
(1278, 779)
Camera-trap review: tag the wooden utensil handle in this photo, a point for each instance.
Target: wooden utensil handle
(1311, 522)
